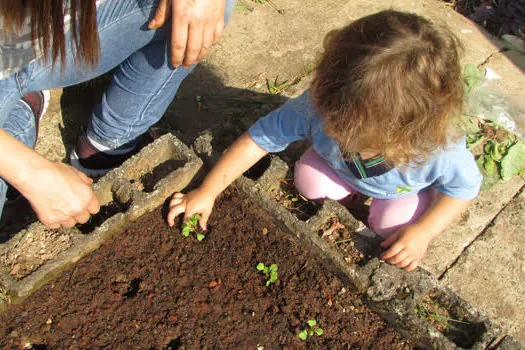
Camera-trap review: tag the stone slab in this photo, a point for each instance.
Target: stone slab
(491, 272)
(245, 59)
(447, 247)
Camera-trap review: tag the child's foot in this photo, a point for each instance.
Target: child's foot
(93, 162)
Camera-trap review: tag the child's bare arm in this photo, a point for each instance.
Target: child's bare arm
(408, 245)
(238, 158)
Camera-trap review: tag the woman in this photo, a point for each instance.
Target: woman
(47, 44)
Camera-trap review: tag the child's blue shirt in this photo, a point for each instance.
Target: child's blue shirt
(452, 171)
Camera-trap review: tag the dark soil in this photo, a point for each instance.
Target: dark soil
(149, 287)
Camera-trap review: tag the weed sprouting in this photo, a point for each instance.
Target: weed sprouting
(192, 225)
(308, 332)
(269, 271)
(441, 320)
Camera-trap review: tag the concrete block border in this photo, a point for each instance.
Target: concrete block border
(146, 180)
(391, 292)
(138, 186)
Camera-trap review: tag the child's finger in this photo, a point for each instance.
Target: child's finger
(389, 240)
(394, 250)
(204, 220)
(175, 201)
(397, 258)
(413, 265)
(174, 212)
(403, 264)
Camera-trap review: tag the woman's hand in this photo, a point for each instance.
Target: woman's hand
(60, 195)
(195, 202)
(407, 247)
(197, 25)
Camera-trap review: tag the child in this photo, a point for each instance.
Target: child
(379, 114)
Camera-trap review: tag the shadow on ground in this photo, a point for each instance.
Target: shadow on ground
(203, 103)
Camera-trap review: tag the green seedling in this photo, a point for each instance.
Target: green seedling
(441, 320)
(269, 271)
(275, 87)
(192, 225)
(308, 332)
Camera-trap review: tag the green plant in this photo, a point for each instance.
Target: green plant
(269, 271)
(440, 320)
(503, 154)
(308, 332)
(275, 87)
(192, 225)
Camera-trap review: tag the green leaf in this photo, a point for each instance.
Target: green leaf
(295, 199)
(186, 231)
(200, 236)
(472, 77)
(303, 334)
(260, 266)
(240, 7)
(273, 277)
(490, 165)
(273, 267)
(513, 162)
(312, 323)
(495, 154)
(319, 331)
(268, 283)
(194, 219)
(311, 333)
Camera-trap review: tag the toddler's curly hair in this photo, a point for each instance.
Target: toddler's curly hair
(390, 82)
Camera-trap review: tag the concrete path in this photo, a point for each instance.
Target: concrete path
(481, 256)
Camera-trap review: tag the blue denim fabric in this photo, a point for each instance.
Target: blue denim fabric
(143, 86)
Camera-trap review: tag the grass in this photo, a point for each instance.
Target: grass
(276, 87)
(441, 321)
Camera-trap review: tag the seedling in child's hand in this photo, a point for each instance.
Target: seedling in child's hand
(269, 271)
(192, 225)
(308, 332)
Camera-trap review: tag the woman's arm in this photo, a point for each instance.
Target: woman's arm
(408, 245)
(59, 194)
(238, 158)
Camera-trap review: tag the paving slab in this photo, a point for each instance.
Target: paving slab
(286, 48)
(491, 272)
(447, 247)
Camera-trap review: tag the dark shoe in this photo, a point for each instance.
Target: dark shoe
(94, 163)
(38, 102)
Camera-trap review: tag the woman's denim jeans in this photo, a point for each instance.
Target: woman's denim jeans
(143, 85)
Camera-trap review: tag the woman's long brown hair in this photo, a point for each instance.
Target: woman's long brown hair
(47, 26)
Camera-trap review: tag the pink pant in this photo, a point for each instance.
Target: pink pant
(315, 179)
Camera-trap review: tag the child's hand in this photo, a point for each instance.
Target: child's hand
(407, 247)
(195, 202)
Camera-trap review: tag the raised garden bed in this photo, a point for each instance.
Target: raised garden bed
(151, 287)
